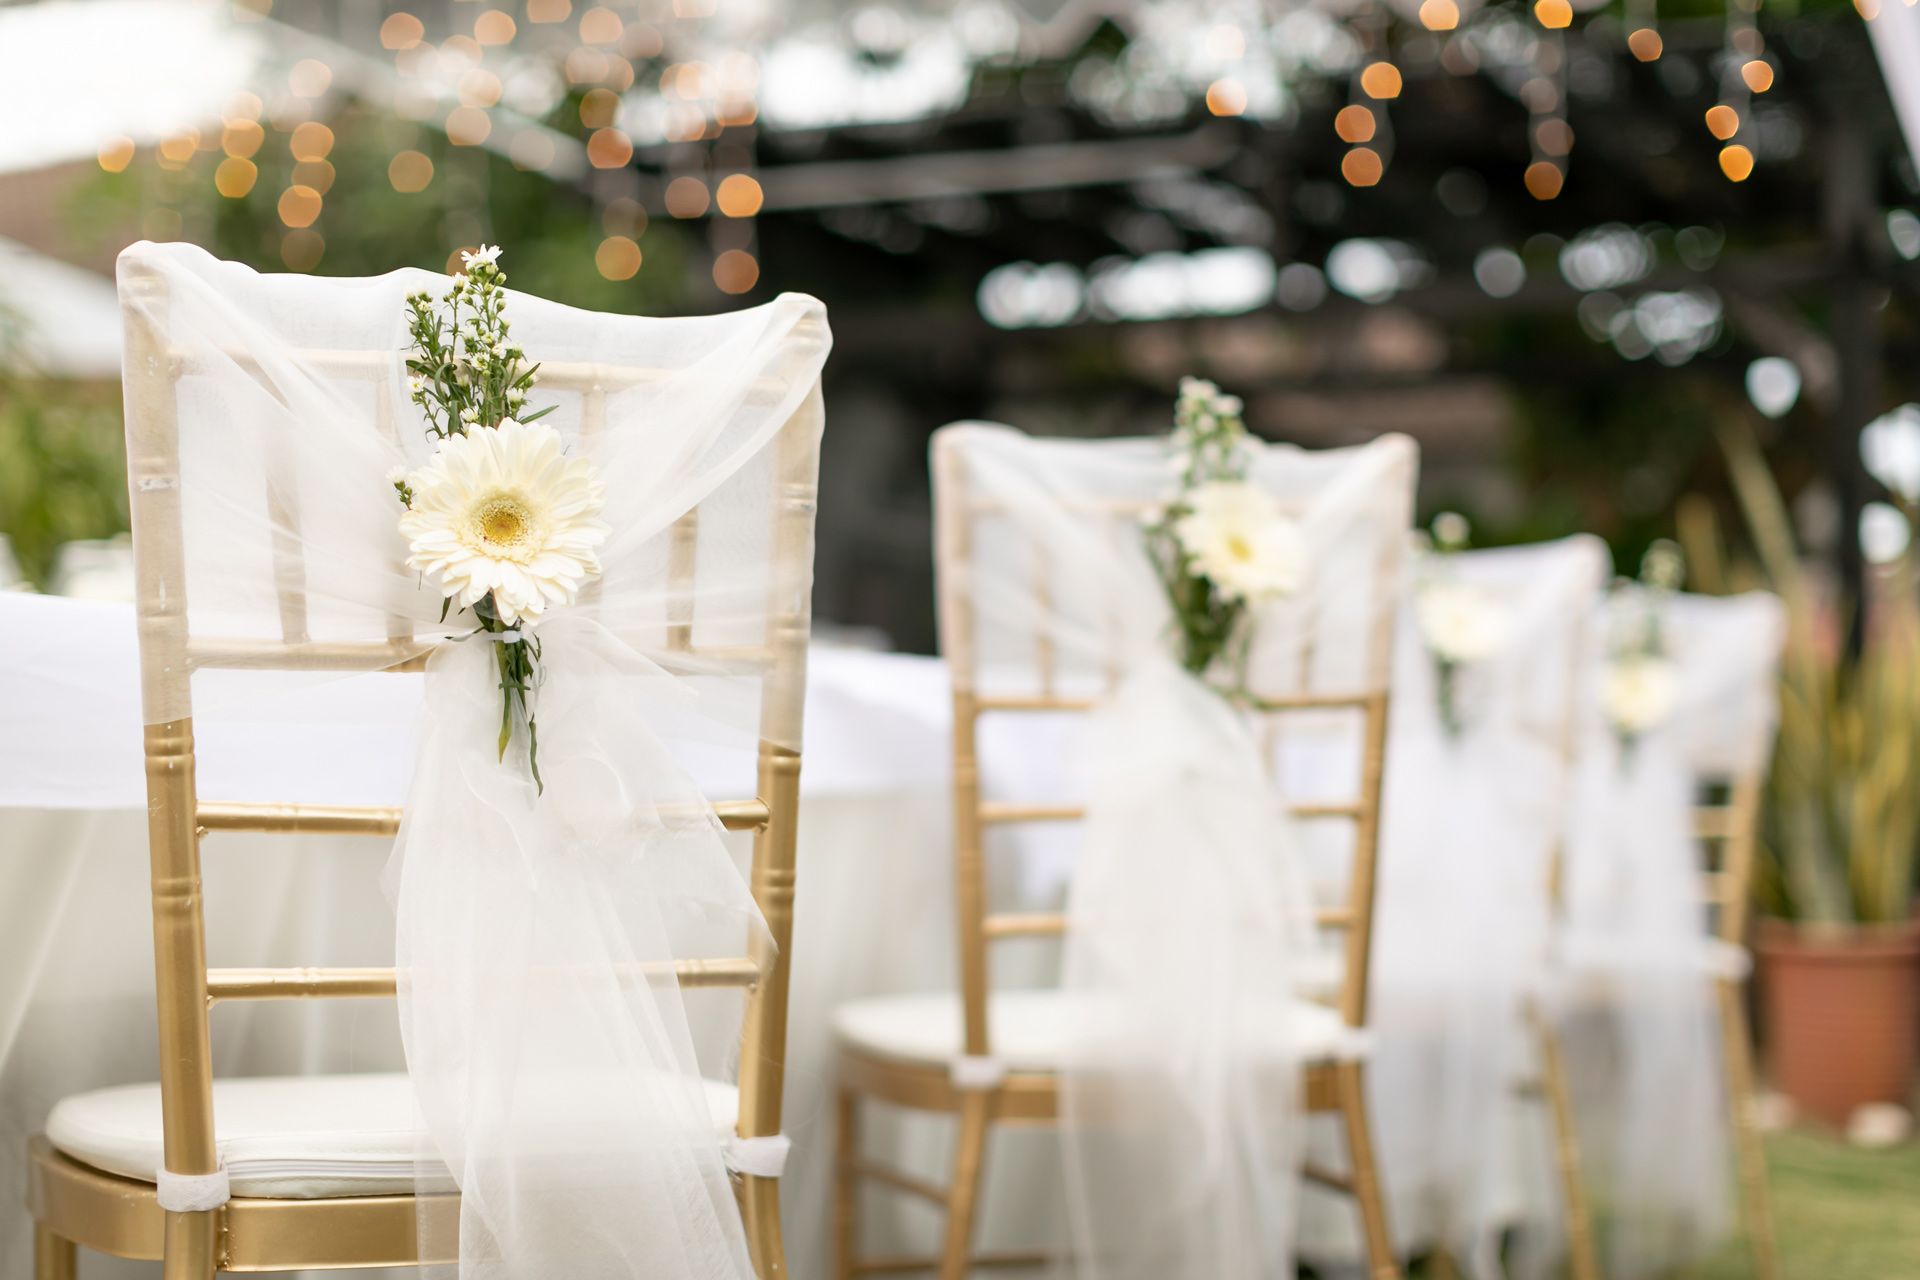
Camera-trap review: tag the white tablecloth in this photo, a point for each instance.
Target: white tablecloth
(874, 896)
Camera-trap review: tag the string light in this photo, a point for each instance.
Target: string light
(1381, 80)
(1758, 74)
(302, 250)
(598, 108)
(739, 196)
(468, 126)
(410, 172)
(617, 258)
(1544, 179)
(309, 78)
(1362, 167)
(116, 154)
(1226, 97)
(736, 271)
(609, 149)
(494, 27)
(600, 26)
(549, 10)
(1555, 15)
(242, 138)
(235, 177)
(1736, 162)
(686, 197)
(299, 206)
(1722, 121)
(1354, 123)
(1439, 15)
(317, 174)
(1645, 44)
(401, 31)
(311, 141)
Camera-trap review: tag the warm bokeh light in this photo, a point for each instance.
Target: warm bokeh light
(737, 112)
(302, 250)
(586, 66)
(549, 10)
(641, 41)
(1723, 121)
(479, 87)
(317, 174)
(1381, 80)
(468, 126)
(1439, 15)
(686, 197)
(463, 46)
(309, 78)
(1758, 74)
(1354, 124)
(530, 149)
(311, 141)
(1645, 44)
(242, 138)
(299, 206)
(617, 258)
(1747, 40)
(600, 26)
(736, 271)
(1555, 15)
(1362, 167)
(410, 172)
(1226, 97)
(1554, 137)
(116, 154)
(235, 177)
(495, 26)
(598, 108)
(241, 106)
(1544, 179)
(401, 31)
(1868, 9)
(1540, 95)
(623, 217)
(738, 196)
(174, 152)
(609, 149)
(1736, 162)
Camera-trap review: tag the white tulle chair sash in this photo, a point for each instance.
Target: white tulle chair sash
(1189, 923)
(540, 937)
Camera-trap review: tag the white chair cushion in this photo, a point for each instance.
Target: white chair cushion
(283, 1137)
(1030, 1030)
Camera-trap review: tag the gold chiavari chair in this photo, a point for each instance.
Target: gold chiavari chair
(1726, 828)
(114, 1209)
(921, 1053)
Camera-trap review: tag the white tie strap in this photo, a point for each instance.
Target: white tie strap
(758, 1157)
(971, 1072)
(191, 1192)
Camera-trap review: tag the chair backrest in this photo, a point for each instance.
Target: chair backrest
(1727, 650)
(174, 644)
(1325, 656)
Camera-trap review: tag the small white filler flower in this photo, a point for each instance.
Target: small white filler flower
(504, 510)
(1640, 692)
(1459, 622)
(485, 255)
(1235, 535)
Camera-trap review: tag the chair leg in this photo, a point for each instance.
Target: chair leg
(1583, 1260)
(846, 1184)
(1440, 1265)
(53, 1258)
(969, 1154)
(1367, 1192)
(1758, 1202)
(188, 1246)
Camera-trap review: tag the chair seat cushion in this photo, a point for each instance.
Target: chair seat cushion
(283, 1137)
(1031, 1030)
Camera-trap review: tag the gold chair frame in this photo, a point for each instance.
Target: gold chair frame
(1733, 826)
(73, 1204)
(1029, 1098)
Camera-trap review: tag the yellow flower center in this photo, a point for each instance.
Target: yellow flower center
(1239, 548)
(503, 526)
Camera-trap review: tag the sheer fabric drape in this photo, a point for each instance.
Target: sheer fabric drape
(1189, 912)
(1637, 1005)
(1472, 818)
(546, 1034)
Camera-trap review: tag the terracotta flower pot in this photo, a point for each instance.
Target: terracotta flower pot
(1841, 1013)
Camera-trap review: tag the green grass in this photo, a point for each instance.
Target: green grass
(1840, 1213)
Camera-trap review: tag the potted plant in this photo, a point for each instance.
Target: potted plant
(1839, 948)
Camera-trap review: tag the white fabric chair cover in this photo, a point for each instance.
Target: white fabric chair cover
(1471, 824)
(1188, 904)
(1637, 1005)
(561, 1090)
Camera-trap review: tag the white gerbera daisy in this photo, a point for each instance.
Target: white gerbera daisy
(1640, 692)
(504, 510)
(1235, 535)
(1459, 621)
